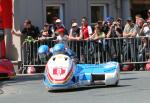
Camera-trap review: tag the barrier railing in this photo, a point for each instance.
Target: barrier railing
(123, 50)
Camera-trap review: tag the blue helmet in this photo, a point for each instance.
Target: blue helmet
(43, 49)
(60, 47)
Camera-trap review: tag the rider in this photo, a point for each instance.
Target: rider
(44, 52)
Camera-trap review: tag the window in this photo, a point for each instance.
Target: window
(54, 11)
(98, 12)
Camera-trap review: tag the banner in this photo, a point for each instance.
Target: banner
(6, 13)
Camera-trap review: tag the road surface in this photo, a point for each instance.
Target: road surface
(134, 87)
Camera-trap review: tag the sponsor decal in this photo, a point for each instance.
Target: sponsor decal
(58, 71)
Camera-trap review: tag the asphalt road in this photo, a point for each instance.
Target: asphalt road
(134, 87)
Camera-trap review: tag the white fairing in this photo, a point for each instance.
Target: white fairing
(60, 68)
(113, 78)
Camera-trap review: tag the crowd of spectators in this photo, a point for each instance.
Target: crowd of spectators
(108, 28)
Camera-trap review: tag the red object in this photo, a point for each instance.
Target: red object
(127, 67)
(5, 21)
(1, 18)
(3, 49)
(62, 80)
(147, 66)
(6, 69)
(85, 32)
(60, 30)
(6, 13)
(31, 70)
(58, 71)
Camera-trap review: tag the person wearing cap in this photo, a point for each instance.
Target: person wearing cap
(131, 29)
(74, 33)
(61, 37)
(58, 25)
(107, 24)
(46, 33)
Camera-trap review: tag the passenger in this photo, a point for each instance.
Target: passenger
(45, 53)
(60, 48)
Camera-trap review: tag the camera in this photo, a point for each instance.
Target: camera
(114, 24)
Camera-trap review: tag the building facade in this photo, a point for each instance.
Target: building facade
(41, 11)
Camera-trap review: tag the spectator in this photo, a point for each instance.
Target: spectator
(130, 30)
(145, 28)
(28, 30)
(137, 17)
(46, 33)
(98, 36)
(58, 25)
(119, 22)
(142, 48)
(148, 14)
(115, 30)
(98, 33)
(74, 32)
(140, 24)
(130, 49)
(61, 37)
(86, 30)
(107, 24)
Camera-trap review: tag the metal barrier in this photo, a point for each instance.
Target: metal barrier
(123, 50)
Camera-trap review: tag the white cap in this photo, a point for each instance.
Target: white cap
(58, 21)
(74, 24)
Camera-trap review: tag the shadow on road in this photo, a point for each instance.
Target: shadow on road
(128, 78)
(86, 88)
(21, 80)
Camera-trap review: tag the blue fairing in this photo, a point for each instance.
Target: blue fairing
(109, 67)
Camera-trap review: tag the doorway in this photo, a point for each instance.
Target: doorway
(53, 12)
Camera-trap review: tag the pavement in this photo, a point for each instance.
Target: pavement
(133, 88)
